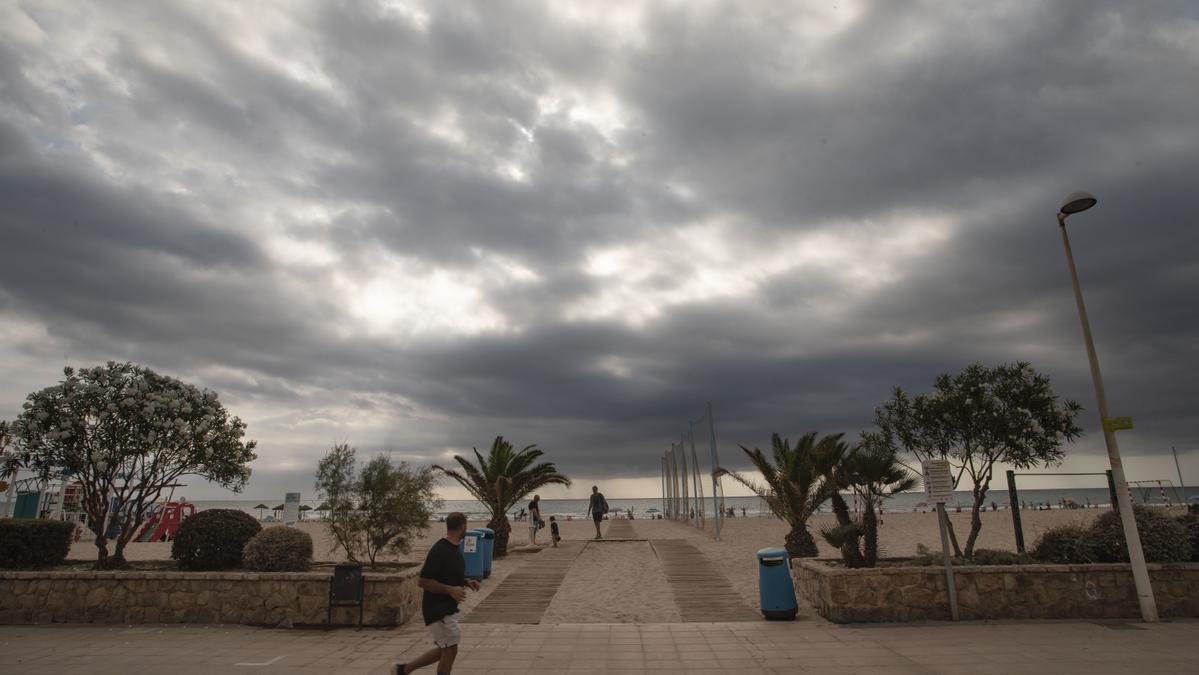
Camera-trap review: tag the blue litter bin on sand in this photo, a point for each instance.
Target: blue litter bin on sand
(471, 547)
(488, 549)
(776, 593)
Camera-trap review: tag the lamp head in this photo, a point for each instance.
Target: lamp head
(1077, 202)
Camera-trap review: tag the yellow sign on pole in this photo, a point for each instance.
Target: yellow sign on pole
(1116, 423)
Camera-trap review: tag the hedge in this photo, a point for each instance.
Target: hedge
(213, 539)
(28, 542)
(278, 549)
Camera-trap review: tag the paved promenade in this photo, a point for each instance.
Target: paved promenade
(743, 648)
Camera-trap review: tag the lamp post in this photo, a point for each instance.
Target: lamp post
(1078, 202)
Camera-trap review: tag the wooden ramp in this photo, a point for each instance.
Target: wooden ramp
(619, 529)
(524, 595)
(701, 591)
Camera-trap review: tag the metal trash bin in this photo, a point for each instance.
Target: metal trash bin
(472, 550)
(776, 593)
(488, 543)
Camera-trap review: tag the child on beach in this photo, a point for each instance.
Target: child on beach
(554, 534)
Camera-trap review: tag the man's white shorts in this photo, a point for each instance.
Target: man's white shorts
(446, 632)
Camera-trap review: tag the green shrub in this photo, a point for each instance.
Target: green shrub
(213, 539)
(26, 542)
(1162, 538)
(1065, 545)
(278, 549)
(1190, 522)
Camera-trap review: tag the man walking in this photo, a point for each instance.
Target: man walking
(443, 579)
(597, 508)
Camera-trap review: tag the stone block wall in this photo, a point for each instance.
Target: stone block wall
(992, 592)
(271, 599)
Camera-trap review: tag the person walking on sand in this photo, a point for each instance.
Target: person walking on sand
(534, 519)
(443, 580)
(596, 508)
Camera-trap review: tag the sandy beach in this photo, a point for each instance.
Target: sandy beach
(622, 582)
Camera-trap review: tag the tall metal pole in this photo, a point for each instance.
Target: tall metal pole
(697, 485)
(1140, 573)
(1181, 484)
(715, 465)
(674, 481)
(1014, 507)
(662, 475)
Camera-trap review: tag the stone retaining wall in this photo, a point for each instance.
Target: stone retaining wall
(992, 592)
(280, 598)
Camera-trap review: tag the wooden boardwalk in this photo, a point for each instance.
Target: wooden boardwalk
(524, 595)
(618, 529)
(701, 591)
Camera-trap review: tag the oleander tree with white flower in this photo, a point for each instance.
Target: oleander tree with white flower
(127, 434)
(980, 417)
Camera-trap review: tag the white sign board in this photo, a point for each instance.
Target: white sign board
(938, 480)
(291, 508)
(470, 544)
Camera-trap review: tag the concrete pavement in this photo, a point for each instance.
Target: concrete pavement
(1092, 648)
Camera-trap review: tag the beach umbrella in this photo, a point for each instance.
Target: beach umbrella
(303, 508)
(260, 508)
(278, 508)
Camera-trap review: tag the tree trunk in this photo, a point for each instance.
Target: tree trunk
(849, 550)
(799, 542)
(976, 524)
(502, 530)
(953, 536)
(869, 536)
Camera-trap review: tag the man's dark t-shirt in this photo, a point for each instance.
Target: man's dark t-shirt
(597, 505)
(444, 564)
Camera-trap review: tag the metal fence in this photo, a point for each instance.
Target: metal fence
(688, 469)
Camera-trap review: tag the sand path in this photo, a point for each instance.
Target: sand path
(617, 579)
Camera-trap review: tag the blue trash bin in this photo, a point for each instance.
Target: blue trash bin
(471, 547)
(776, 593)
(488, 549)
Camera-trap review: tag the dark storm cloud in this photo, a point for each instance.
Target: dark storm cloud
(909, 157)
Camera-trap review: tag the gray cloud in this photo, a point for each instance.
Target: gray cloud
(418, 229)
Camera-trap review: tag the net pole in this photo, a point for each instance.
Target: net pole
(670, 511)
(674, 476)
(662, 478)
(696, 476)
(683, 475)
(715, 464)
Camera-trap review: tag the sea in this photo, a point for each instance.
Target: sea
(755, 507)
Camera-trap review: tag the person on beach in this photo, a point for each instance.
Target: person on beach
(596, 508)
(534, 519)
(555, 535)
(443, 580)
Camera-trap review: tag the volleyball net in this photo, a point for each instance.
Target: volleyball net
(691, 482)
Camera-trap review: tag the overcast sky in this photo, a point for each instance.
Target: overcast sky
(416, 226)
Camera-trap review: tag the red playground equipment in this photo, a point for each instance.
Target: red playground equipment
(163, 525)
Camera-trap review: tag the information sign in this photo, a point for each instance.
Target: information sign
(1116, 423)
(291, 508)
(938, 480)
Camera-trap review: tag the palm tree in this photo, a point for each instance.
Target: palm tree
(848, 533)
(795, 485)
(873, 471)
(502, 479)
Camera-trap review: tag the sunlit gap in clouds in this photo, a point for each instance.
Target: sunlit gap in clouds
(714, 260)
(404, 297)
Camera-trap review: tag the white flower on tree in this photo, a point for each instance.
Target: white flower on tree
(126, 433)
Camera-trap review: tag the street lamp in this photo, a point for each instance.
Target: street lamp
(1077, 202)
